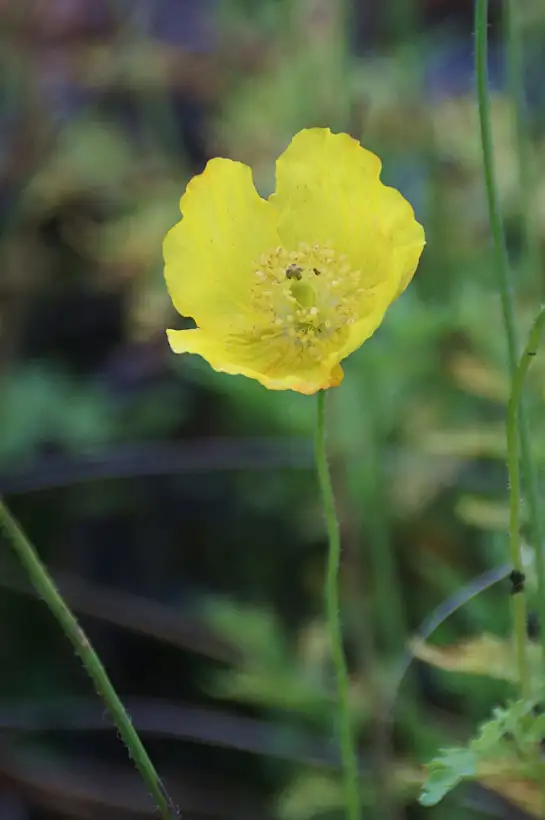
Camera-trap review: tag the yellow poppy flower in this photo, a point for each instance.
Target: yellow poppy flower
(283, 289)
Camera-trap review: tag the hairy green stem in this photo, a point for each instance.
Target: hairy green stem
(348, 747)
(519, 598)
(531, 250)
(513, 407)
(44, 585)
(506, 291)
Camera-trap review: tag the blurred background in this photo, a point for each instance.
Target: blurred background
(178, 508)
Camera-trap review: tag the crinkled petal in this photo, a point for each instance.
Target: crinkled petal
(364, 327)
(360, 331)
(329, 194)
(328, 191)
(208, 255)
(273, 366)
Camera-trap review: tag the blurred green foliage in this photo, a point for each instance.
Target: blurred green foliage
(102, 125)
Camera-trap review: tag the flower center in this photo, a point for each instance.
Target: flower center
(310, 295)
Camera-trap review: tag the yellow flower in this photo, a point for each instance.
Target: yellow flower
(283, 289)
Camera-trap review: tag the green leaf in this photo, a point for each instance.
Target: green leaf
(446, 772)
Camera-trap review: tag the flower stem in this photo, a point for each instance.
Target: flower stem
(515, 81)
(496, 224)
(44, 585)
(519, 598)
(513, 406)
(348, 748)
(506, 291)
(531, 249)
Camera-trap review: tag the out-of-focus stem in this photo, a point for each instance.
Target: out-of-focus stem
(348, 747)
(505, 288)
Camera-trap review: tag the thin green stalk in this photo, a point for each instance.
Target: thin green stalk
(519, 598)
(513, 408)
(44, 585)
(506, 292)
(531, 250)
(349, 758)
(496, 224)
(515, 80)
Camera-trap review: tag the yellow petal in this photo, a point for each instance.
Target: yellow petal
(317, 158)
(329, 192)
(362, 330)
(209, 253)
(261, 361)
(353, 242)
(377, 302)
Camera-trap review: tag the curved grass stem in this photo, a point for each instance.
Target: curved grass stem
(348, 747)
(45, 586)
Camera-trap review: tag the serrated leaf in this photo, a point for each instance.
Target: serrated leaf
(511, 722)
(504, 755)
(446, 772)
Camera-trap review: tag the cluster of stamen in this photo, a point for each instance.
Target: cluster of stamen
(310, 295)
